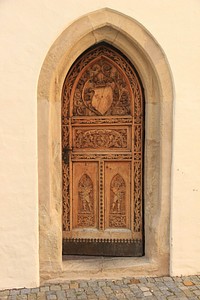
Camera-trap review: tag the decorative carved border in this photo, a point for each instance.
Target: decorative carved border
(102, 120)
(66, 198)
(138, 196)
(138, 138)
(124, 156)
(101, 195)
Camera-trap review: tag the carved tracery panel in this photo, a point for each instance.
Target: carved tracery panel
(102, 142)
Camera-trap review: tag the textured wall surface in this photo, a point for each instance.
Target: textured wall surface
(28, 29)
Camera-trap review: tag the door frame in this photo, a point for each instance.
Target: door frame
(132, 39)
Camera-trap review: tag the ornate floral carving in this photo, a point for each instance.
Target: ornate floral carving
(102, 120)
(137, 156)
(65, 136)
(85, 202)
(138, 138)
(124, 156)
(100, 138)
(117, 221)
(138, 197)
(66, 198)
(117, 217)
(85, 220)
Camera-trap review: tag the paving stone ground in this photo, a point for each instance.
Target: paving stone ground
(148, 288)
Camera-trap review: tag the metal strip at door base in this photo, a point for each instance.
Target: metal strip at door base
(104, 247)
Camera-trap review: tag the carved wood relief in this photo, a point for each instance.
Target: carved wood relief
(85, 202)
(100, 138)
(84, 194)
(118, 194)
(66, 196)
(102, 142)
(101, 90)
(117, 202)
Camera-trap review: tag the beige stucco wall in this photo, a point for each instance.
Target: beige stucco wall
(28, 29)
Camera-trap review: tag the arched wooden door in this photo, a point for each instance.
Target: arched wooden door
(102, 159)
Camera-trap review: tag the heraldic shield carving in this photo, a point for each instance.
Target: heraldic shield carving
(102, 155)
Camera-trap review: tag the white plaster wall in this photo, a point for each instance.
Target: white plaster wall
(28, 29)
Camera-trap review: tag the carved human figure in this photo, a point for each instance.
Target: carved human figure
(118, 188)
(85, 194)
(85, 198)
(116, 205)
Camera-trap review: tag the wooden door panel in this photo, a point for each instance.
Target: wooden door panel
(93, 138)
(117, 195)
(85, 195)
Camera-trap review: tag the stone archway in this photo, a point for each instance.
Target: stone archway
(143, 51)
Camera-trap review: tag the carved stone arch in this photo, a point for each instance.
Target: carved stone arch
(132, 39)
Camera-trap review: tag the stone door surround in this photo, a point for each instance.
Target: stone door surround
(138, 45)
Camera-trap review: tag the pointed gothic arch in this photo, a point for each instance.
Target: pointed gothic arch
(132, 39)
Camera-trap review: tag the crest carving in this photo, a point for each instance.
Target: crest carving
(101, 90)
